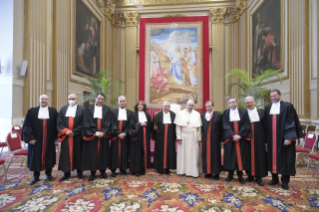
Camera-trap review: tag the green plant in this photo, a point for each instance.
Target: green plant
(252, 86)
(102, 82)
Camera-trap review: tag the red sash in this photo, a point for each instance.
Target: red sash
(165, 147)
(44, 143)
(253, 150)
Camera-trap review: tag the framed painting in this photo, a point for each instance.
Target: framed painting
(267, 36)
(174, 60)
(87, 43)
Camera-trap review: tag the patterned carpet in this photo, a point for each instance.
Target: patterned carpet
(154, 192)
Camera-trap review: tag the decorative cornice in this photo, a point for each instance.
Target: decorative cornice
(241, 5)
(217, 14)
(109, 10)
(131, 18)
(234, 14)
(100, 3)
(174, 15)
(117, 19)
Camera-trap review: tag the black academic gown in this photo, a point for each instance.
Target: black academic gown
(96, 152)
(164, 136)
(236, 154)
(258, 148)
(211, 149)
(70, 158)
(41, 156)
(140, 144)
(286, 125)
(120, 149)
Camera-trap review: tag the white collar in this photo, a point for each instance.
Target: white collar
(234, 115)
(43, 113)
(97, 112)
(122, 114)
(253, 115)
(71, 111)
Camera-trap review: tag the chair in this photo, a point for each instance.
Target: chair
(4, 169)
(303, 128)
(14, 144)
(18, 129)
(310, 142)
(2, 145)
(311, 128)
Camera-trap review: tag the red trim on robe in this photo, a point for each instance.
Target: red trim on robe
(88, 138)
(62, 135)
(98, 142)
(208, 156)
(274, 144)
(120, 142)
(44, 142)
(71, 123)
(239, 161)
(165, 147)
(253, 150)
(145, 146)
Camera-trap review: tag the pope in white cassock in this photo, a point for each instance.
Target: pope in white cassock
(188, 134)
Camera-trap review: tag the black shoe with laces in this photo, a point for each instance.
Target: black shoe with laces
(91, 178)
(64, 178)
(229, 178)
(34, 180)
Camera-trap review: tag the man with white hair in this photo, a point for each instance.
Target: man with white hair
(165, 137)
(120, 147)
(40, 131)
(70, 122)
(188, 133)
(258, 158)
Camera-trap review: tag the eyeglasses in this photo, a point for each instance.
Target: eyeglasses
(71, 98)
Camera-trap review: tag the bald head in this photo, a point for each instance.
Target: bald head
(73, 99)
(44, 100)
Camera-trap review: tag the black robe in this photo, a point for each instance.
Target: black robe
(42, 155)
(140, 144)
(211, 150)
(258, 148)
(120, 149)
(236, 154)
(287, 126)
(96, 152)
(164, 136)
(70, 156)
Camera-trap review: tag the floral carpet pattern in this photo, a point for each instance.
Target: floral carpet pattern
(154, 192)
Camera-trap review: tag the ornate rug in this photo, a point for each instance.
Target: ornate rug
(154, 192)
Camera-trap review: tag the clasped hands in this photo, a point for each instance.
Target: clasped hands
(236, 138)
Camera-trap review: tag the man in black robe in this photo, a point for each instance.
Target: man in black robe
(283, 130)
(165, 137)
(97, 129)
(40, 131)
(212, 130)
(120, 146)
(236, 136)
(258, 125)
(70, 121)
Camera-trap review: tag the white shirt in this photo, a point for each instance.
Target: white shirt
(43, 113)
(97, 112)
(234, 115)
(275, 108)
(208, 115)
(167, 118)
(141, 116)
(122, 114)
(71, 111)
(253, 115)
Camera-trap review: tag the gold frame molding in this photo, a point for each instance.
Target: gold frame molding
(282, 47)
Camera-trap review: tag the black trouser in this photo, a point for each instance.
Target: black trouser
(239, 173)
(48, 172)
(284, 178)
(68, 174)
(94, 172)
(121, 170)
(249, 174)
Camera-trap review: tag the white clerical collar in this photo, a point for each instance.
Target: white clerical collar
(43, 113)
(167, 118)
(97, 112)
(71, 111)
(141, 116)
(122, 114)
(275, 108)
(208, 115)
(253, 115)
(234, 115)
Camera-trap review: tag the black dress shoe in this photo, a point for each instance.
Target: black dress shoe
(50, 178)
(216, 177)
(137, 174)
(91, 178)
(250, 179)
(143, 172)
(285, 186)
(229, 178)
(80, 176)
(160, 172)
(104, 175)
(208, 175)
(124, 172)
(34, 180)
(113, 174)
(260, 182)
(241, 180)
(273, 182)
(64, 178)
(168, 172)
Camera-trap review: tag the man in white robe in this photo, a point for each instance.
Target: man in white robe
(188, 134)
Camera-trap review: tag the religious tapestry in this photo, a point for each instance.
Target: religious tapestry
(267, 36)
(174, 60)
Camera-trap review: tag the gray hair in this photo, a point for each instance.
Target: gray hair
(248, 97)
(209, 101)
(165, 102)
(73, 94)
(118, 99)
